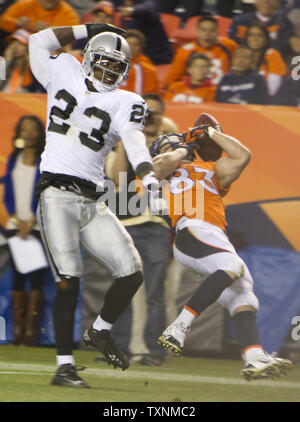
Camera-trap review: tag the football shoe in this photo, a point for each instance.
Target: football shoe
(265, 366)
(173, 338)
(66, 376)
(102, 341)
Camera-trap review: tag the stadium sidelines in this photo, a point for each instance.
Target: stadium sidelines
(32, 369)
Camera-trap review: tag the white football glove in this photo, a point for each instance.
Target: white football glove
(158, 205)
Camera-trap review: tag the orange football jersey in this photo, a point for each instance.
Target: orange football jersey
(184, 91)
(220, 55)
(195, 192)
(142, 77)
(273, 63)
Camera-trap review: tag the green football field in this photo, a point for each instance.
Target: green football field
(25, 374)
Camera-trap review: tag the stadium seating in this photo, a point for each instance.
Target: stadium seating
(187, 33)
(171, 23)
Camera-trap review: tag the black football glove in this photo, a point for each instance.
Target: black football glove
(96, 28)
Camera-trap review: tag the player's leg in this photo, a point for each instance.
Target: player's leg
(104, 237)
(242, 304)
(218, 264)
(59, 225)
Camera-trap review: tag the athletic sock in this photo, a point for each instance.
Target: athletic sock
(253, 352)
(65, 359)
(209, 291)
(185, 318)
(245, 329)
(100, 324)
(247, 334)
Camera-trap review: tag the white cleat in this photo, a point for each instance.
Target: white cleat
(266, 366)
(173, 338)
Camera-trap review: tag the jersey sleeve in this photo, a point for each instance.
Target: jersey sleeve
(275, 62)
(40, 46)
(132, 114)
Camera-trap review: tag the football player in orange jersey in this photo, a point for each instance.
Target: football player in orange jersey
(201, 243)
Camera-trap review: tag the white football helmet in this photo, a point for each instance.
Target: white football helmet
(110, 53)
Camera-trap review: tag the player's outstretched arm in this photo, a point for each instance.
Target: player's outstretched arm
(165, 164)
(42, 43)
(238, 156)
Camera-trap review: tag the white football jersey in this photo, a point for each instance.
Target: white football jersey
(83, 126)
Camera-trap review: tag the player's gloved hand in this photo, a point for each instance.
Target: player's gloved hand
(96, 28)
(157, 204)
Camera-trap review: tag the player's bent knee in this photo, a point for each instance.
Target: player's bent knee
(246, 308)
(244, 299)
(130, 281)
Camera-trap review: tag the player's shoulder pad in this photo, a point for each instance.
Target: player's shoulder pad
(131, 96)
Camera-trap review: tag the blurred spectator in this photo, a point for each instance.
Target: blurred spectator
(289, 93)
(267, 61)
(267, 14)
(35, 15)
(4, 4)
(243, 85)
(196, 87)
(18, 74)
(288, 42)
(218, 49)
(142, 76)
(188, 8)
(81, 7)
(151, 236)
(21, 176)
(144, 16)
(102, 12)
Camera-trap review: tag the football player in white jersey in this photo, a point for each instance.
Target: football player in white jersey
(86, 116)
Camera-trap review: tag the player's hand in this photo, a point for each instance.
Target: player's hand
(23, 22)
(157, 204)
(97, 28)
(40, 25)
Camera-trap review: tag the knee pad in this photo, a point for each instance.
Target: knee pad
(235, 264)
(232, 300)
(130, 281)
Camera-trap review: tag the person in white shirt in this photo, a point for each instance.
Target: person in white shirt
(21, 175)
(87, 115)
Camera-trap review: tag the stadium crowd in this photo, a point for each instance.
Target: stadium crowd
(185, 51)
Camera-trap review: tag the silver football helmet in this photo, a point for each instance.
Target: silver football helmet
(107, 54)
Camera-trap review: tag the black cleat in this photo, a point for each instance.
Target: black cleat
(102, 341)
(66, 376)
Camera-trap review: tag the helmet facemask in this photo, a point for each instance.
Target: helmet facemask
(106, 61)
(165, 143)
(114, 70)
